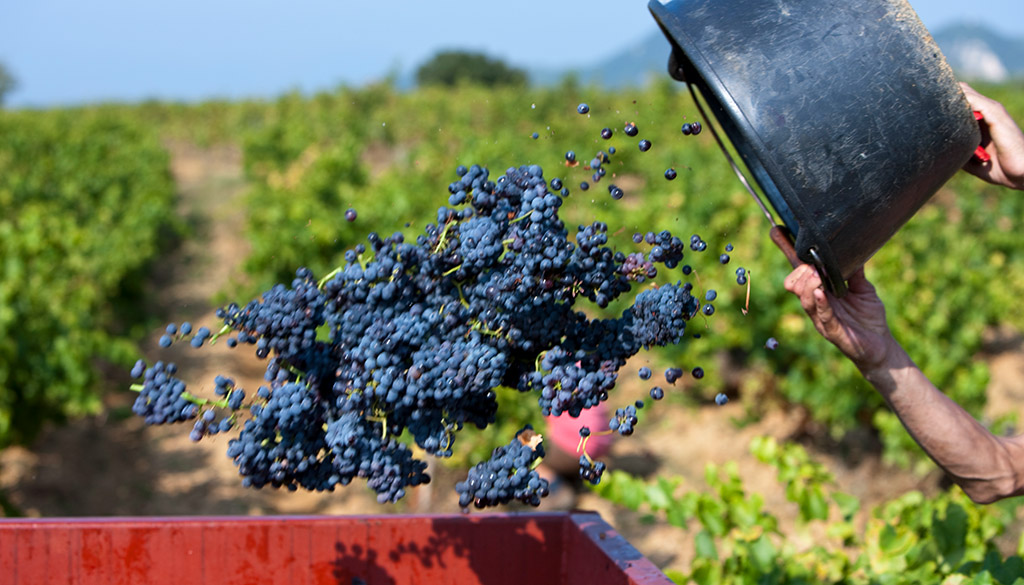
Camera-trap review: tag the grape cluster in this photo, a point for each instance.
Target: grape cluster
(625, 420)
(414, 336)
(591, 471)
(508, 475)
(161, 398)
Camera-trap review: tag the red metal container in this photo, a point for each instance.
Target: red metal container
(486, 549)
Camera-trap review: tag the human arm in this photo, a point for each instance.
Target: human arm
(1006, 148)
(986, 467)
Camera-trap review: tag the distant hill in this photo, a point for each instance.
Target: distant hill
(975, 52)
(979, 54)
(634, 66)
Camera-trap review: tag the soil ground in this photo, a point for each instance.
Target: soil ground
(112, 464)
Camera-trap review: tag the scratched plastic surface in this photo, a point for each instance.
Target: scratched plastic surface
(486, 549)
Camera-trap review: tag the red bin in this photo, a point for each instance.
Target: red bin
(486, 549)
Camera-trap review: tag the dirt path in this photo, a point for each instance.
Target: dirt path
(112, 464)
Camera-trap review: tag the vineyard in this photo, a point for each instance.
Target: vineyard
(105, 232)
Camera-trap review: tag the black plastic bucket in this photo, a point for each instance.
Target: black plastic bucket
(845, 112)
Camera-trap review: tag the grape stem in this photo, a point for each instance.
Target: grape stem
(443, 238)
(323, 281)
(189, 397)
(478, 326)
(223, 330)
(581, 447)
(462, 297)
(746, 309)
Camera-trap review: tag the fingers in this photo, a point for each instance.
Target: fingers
(805, 283)
(1007, 147)
(824, 317)
(859, 284)
(978, 102)
(802, 277)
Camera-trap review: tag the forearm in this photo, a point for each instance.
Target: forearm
(985, 466)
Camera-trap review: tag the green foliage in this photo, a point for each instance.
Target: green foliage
(87, 200)
(451, 68)
(7, 83)
(912, 539)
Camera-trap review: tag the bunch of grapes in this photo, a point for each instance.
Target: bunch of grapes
(412, 338)
(508, 475)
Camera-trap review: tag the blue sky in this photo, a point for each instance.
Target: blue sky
(68, 52)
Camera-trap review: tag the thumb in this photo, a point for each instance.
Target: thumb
(858, 283)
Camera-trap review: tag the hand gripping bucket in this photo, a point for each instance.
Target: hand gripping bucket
(844, 111)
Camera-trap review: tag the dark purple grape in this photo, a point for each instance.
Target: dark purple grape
(670, 174)
(698, 372)
(724, 258)
(695, 128)
(606, 133)
(583, 108)
(584, 185)
(138, 369)
(657, 393)
(687, 129)
(631, 129)
(350, 214)
(644, 145)
(673, 374)
(645, 373)
(570, 156)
